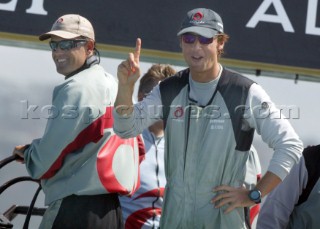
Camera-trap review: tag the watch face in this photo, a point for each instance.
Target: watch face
(255, 195)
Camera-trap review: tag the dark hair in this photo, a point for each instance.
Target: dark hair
(152, 77)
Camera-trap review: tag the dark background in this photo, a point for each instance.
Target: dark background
(157, 22)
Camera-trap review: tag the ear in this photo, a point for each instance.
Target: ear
(90, 46)
(220, 45)
(220, 42)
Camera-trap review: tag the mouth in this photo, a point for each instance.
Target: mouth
(196, 58)
(61, 60)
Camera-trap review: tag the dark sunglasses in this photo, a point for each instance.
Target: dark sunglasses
(66, 44)
(190, 38)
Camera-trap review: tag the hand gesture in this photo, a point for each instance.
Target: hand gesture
(129, 70)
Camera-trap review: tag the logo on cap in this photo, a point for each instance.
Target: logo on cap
(197, 16)
(60, 20)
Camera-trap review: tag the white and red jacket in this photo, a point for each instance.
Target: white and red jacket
(79, 152)
(143, 209)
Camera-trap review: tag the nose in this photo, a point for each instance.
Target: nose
(197, 44)
(57, 53)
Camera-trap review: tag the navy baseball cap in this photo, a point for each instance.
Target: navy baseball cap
(204, 22)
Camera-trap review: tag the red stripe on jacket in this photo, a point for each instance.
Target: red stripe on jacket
(93, 133)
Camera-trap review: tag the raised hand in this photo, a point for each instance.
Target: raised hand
(129, 70)
(128, 74)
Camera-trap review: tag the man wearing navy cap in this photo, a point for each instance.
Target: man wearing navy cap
(210, 115)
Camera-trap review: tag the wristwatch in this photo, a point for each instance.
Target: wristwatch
(255, 195)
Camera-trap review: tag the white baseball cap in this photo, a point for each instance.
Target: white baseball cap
(70, 26)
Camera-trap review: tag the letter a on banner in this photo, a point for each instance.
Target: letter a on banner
(312, 18)
(281, 17)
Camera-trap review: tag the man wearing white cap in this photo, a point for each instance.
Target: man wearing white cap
(81, 163)
(210, 115)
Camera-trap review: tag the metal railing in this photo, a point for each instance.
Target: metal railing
(7, 217)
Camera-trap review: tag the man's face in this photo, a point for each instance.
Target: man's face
(68, 60)
(200, 57)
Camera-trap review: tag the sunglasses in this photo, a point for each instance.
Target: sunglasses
(190, 38)
(66, 44)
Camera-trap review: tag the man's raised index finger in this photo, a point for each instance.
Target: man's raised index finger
(138, 48)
